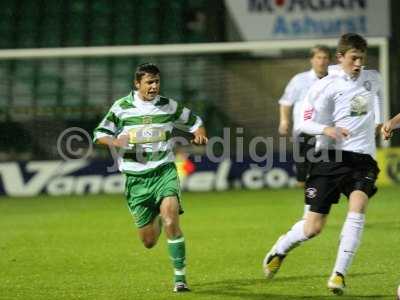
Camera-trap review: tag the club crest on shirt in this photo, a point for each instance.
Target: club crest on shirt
(311, 193)
(358, 106)
(367, 84)
(147, 120)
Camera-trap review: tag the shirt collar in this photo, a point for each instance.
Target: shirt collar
(138, 101)
(337, 69)
(313, 74)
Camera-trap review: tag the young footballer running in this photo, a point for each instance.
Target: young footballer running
(141, 123)
(339, 111)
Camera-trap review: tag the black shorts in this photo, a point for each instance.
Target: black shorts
(303, 145)
(329, 179)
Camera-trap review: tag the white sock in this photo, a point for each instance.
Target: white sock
(292, 238)
(350, 239)
(306, 210)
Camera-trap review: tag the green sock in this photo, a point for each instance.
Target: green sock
(176, 249)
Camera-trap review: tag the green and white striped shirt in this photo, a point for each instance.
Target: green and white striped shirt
(149, 125)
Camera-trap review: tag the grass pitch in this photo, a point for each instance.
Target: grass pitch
(87, 248)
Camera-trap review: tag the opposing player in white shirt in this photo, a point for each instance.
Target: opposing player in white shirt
(339, 110)
(290, 107)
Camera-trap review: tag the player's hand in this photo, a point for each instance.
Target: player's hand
(200, 136)
(387, 130)
(122, 141)
(336, 133)
(283, 128)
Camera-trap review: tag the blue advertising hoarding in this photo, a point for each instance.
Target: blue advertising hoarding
(77, 177)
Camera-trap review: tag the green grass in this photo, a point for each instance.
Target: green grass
(87, 248)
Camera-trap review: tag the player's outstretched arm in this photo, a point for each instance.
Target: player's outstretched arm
(119, 142)
(386, 130)
(389, 126)
(200, 136)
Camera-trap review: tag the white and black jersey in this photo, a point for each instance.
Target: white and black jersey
(294, 94)
(340, 101)
(375, 77)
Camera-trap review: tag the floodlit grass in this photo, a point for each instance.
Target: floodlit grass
(87, 248)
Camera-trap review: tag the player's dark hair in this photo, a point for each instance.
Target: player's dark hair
(146, 68)
(320, 48)
(351, 41)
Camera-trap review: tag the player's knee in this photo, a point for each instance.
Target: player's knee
(149, 243)
(312, 234)
(169, 222)
(313, 230)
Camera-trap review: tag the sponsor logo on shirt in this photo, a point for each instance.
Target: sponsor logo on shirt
(358, 106)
